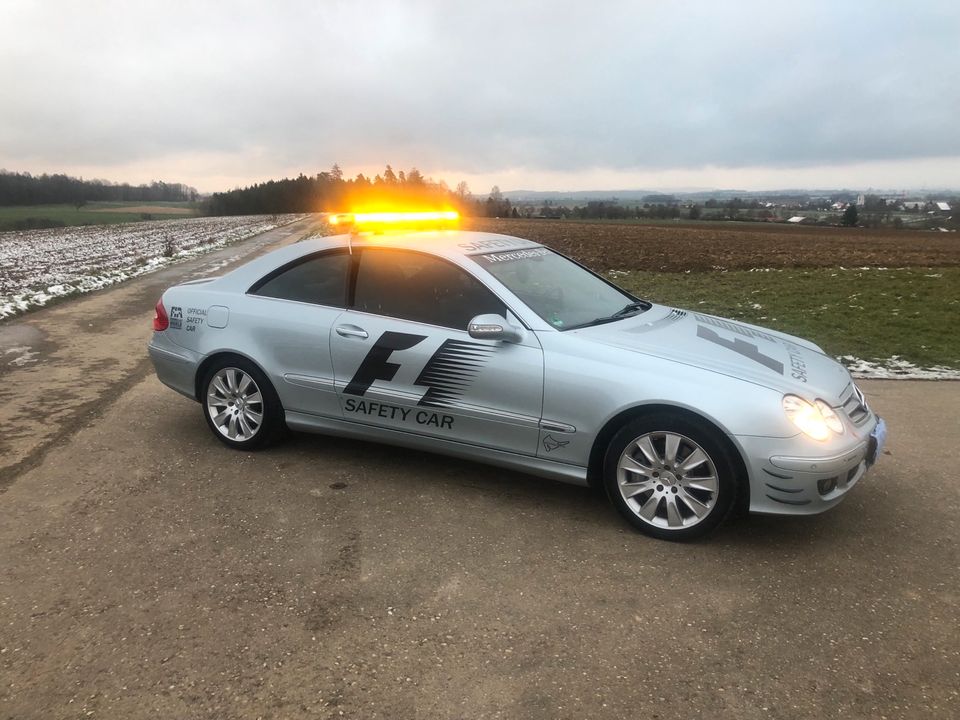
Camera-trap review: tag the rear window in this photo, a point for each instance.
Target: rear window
(321, 280)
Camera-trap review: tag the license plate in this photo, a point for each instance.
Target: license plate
(879, 437)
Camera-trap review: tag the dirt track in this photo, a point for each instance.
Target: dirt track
(734, 246)
(150, 572)
(59, 364)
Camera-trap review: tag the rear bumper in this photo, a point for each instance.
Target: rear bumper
(787, 478)
(176, 367)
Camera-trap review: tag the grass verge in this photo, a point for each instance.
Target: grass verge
(12, 217)
(870, 313)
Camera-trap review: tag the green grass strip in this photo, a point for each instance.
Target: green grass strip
(870, 313)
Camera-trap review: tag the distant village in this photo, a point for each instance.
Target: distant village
(899, 210)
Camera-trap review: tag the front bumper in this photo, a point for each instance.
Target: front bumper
(785, 479)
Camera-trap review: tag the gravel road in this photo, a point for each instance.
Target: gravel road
(148, 571)
(59, 364)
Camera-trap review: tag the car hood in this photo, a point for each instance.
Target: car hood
(748, 352)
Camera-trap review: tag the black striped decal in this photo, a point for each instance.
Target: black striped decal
(451, 370)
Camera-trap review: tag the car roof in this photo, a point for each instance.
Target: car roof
(451, 244)
(454, 245)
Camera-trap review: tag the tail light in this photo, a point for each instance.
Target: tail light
(160, 320)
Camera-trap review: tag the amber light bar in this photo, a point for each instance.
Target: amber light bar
(394, 218)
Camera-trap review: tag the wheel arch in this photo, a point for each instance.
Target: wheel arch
(211, 359)
(613, 425)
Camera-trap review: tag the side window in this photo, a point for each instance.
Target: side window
(418, 287)
(321, 280)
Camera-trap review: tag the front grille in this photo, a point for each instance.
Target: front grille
(854, 404)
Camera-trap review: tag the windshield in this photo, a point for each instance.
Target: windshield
(563, 293)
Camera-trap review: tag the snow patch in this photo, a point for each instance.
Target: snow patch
(896, 368)
(37, 266)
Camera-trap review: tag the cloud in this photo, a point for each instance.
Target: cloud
(477, 89)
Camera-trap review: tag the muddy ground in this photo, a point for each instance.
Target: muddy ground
(148, 571)
(734, 246)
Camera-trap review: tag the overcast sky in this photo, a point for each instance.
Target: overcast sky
(533, 95)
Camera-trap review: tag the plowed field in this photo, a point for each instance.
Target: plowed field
(677, 248)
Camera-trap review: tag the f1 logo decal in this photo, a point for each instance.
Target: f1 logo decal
(376, 365)
(742, 347)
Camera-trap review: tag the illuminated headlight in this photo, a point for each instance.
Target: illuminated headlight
(816, 420)
(829, 416)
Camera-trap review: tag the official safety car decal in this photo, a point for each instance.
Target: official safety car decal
(195, 318)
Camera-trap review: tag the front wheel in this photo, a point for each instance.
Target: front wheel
(240, 405)
(670, 476)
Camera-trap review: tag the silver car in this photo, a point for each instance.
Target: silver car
(503, 351)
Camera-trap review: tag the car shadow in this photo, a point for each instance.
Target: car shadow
(428, 471)
(414, 470)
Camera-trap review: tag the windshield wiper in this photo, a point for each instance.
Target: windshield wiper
(631, 308)
(641, 305)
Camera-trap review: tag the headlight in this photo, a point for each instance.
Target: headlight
(817, 419)
(829, 416)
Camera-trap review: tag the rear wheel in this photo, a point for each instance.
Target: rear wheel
(240, 405)
(670, 476)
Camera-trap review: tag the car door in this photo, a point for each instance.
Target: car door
(403, 359)
(290, 315)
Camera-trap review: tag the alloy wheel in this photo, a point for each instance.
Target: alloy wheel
(667, 480)
(235, 404)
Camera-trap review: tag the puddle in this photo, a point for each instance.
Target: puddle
(17, 335)
(20, 355)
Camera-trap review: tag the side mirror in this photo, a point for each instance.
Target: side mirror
(494, 327)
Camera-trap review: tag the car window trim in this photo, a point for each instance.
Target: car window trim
(277, 272)
(445, 328)
(355, 270)
(598, 276)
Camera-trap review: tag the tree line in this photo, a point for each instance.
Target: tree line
(26, 189)
(330, 191)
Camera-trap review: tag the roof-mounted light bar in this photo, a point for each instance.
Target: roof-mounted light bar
(391, 218)
(386, 219)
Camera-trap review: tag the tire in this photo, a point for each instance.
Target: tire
(670, 476)
(240, 405)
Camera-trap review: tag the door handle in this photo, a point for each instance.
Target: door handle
(351, 331)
